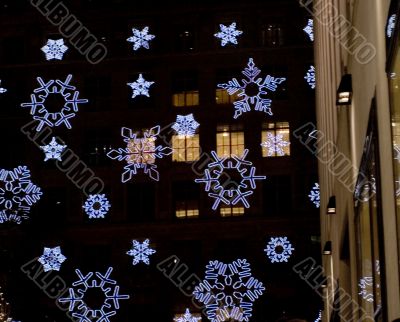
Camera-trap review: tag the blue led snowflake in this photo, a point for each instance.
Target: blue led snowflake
(17, 194)
(185, 125)
(103, 283)
(228, 291)
(224, 188)
(279, 249)
(2, 90)
(140, 38)
(96, 206)
(252, 90)
(140, 87)
(52, 259)
(275, 144)
(309, 29)
(140, 252)
(391, 25)
(54, 49)
(228, 34)
(187, 317)
(140, 153)
(51, 89)
(310, 77)
(315, 195)
(53, 150)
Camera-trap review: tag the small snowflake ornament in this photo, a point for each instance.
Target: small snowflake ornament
(310, 77)
(309, 29)
(54, 49)
(52, 259)
(96, 206)
(228, 34)
(140, 38)
(2, 90)
(140, 87)
(315, 195)
(391, 25)
(187, 317)
(275, 144)
(141, 252)
(53, 150)
(185, 125)
(279, 249)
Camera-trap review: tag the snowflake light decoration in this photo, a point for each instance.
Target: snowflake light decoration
(309, 29)
(228, 291)
(279, 249)
(366, 288)
(140, 252)
(52, 259)
(2, 90)
(187, 317)
(397, 151)
(319, 318)
(96, 206)
(140, 38)
(228, 191)
(54, 49)
(391, 25)
(275, 144)
(140, 87)
(185, 125)
(17, 194)
(315, 195)
(140, 153)
(310, 77)
(103, 283)
(47, 90)
(228, 34)
(252, 91)
(53, 150)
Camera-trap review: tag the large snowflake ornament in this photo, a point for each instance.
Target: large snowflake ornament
(54, 49)
(140, 252)
(275, 144)
(53, 150)
(310, 77)
(252, 90)
(99, 282)
(187, 317)
(140, 38)
(140, 87)
(309, 29)
(51, 89)
(226, 189)
(279, 249)
(185, 125)
(17, 194)
(96, 206)
(315, 195)
(2, 90)
(391, 25)
(228, 291)
(140, 153)
(52, 259)
(228, 34)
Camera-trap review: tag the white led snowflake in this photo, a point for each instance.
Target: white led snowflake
(52, 259)
(185, 125)
(315, 195)
(309, 29)
(141, 38)
(279, 249)
(96, 206)
(140, 153)
(223, 187)
(391, 25)
(141, 252)
(187, 317)
(53, 150)
(366, 288)
(228, 34)
(51, 89)
(100, 282)
(252, 90)
(140, 87)
(54, 49)
(17, 194)
(228, 291)
(2, 90)
(275, 144)
(310, 77)
(319, 318)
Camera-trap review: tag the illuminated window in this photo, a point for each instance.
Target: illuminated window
(275, 139)
(186, 199)
(141, 150)
(222, 97)
(185, 89)
(230, 141)
(185, 148)
(231, 211)
(187, 209)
